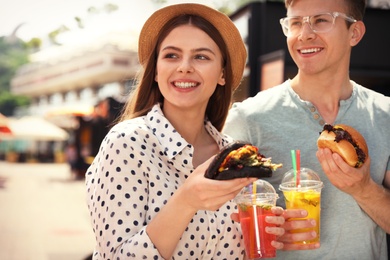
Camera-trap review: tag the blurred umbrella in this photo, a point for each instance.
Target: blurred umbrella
(4, 125)
(77, 110)
(36, 128)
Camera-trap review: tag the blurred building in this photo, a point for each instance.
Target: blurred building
(72, 79)
(80, 88)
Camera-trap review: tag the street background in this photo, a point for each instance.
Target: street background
(43, 213)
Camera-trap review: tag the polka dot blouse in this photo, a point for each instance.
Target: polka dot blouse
(141, 163)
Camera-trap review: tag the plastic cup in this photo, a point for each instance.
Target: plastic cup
(254, 204)
(306, 195)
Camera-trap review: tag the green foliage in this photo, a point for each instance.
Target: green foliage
(109, 8)
(34, 44)
(79, 22)
(9, 102)
(159, 1)
(13, 54)
(53, 34)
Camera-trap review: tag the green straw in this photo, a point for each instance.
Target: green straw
(294, 164)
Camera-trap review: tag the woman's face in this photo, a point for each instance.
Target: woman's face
(189, 67)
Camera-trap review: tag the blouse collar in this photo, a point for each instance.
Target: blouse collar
(169, 138)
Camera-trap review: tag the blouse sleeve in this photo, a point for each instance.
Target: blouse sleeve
(117, 190)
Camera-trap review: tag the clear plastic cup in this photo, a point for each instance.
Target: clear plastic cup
(304, 194)
(254, 204)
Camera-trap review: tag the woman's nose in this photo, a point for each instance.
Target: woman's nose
(185, 66)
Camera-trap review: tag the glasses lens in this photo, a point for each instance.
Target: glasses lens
(292, 25)
(283, 22)
(318, 23)
(321, 23)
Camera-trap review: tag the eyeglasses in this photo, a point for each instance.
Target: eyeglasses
(319, 23)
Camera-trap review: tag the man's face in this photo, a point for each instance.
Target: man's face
(315, 52)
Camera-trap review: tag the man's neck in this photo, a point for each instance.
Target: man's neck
(324, 94)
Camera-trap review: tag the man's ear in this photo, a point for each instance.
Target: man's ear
(358, 31)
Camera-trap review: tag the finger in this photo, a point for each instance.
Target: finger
(277, 220)
(277, 245)
(325, 157)
(299, 224)
(289, 237)
(288, 247)
(294, 213)
(235, 217)
(278, 211)
(278, 231)
(330, 160)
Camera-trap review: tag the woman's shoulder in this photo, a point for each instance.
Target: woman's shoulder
(129, 127)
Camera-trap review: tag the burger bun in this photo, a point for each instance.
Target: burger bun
(344, 148)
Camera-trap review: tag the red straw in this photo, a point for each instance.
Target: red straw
(298, 155)
(294, 164)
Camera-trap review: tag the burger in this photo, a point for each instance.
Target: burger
(345, 141)
(240, 160)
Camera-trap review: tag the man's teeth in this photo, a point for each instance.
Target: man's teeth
(304, 51)
(185, 84)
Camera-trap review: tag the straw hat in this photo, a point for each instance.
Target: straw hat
(229, 32)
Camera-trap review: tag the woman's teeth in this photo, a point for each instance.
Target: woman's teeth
(185, 84)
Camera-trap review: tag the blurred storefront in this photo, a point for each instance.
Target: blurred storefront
(30, 139)
(80, 89)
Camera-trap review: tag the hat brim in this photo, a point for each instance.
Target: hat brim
(230, 34)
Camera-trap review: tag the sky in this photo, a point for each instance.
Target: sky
(39, 17)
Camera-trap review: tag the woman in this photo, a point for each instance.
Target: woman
(147, 194)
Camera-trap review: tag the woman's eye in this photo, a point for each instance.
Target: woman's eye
(201, 57)
(170, 56)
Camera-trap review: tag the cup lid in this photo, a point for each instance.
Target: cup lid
(308, 179)
(259, 186)
(305, 174)
(260, 189)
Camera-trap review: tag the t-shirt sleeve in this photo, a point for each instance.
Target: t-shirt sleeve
(235, 124)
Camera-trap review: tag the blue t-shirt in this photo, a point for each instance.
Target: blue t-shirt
(277, 121)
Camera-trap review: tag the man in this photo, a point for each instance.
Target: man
(355, 201)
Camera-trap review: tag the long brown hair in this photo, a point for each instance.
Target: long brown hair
(147, 92)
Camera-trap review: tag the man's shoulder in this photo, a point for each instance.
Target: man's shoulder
(265, 97)
(369, 96)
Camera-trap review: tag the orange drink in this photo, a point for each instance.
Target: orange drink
(310, 200)
(304, 195)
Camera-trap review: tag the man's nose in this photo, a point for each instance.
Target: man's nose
(306, 31)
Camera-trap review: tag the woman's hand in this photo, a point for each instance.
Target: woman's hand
(285, 238)
(278, 220)
(289, 238)
(202, 193)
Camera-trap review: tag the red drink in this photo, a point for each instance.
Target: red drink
(257, 241)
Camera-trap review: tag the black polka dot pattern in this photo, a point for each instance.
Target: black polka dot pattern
(141, 163)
